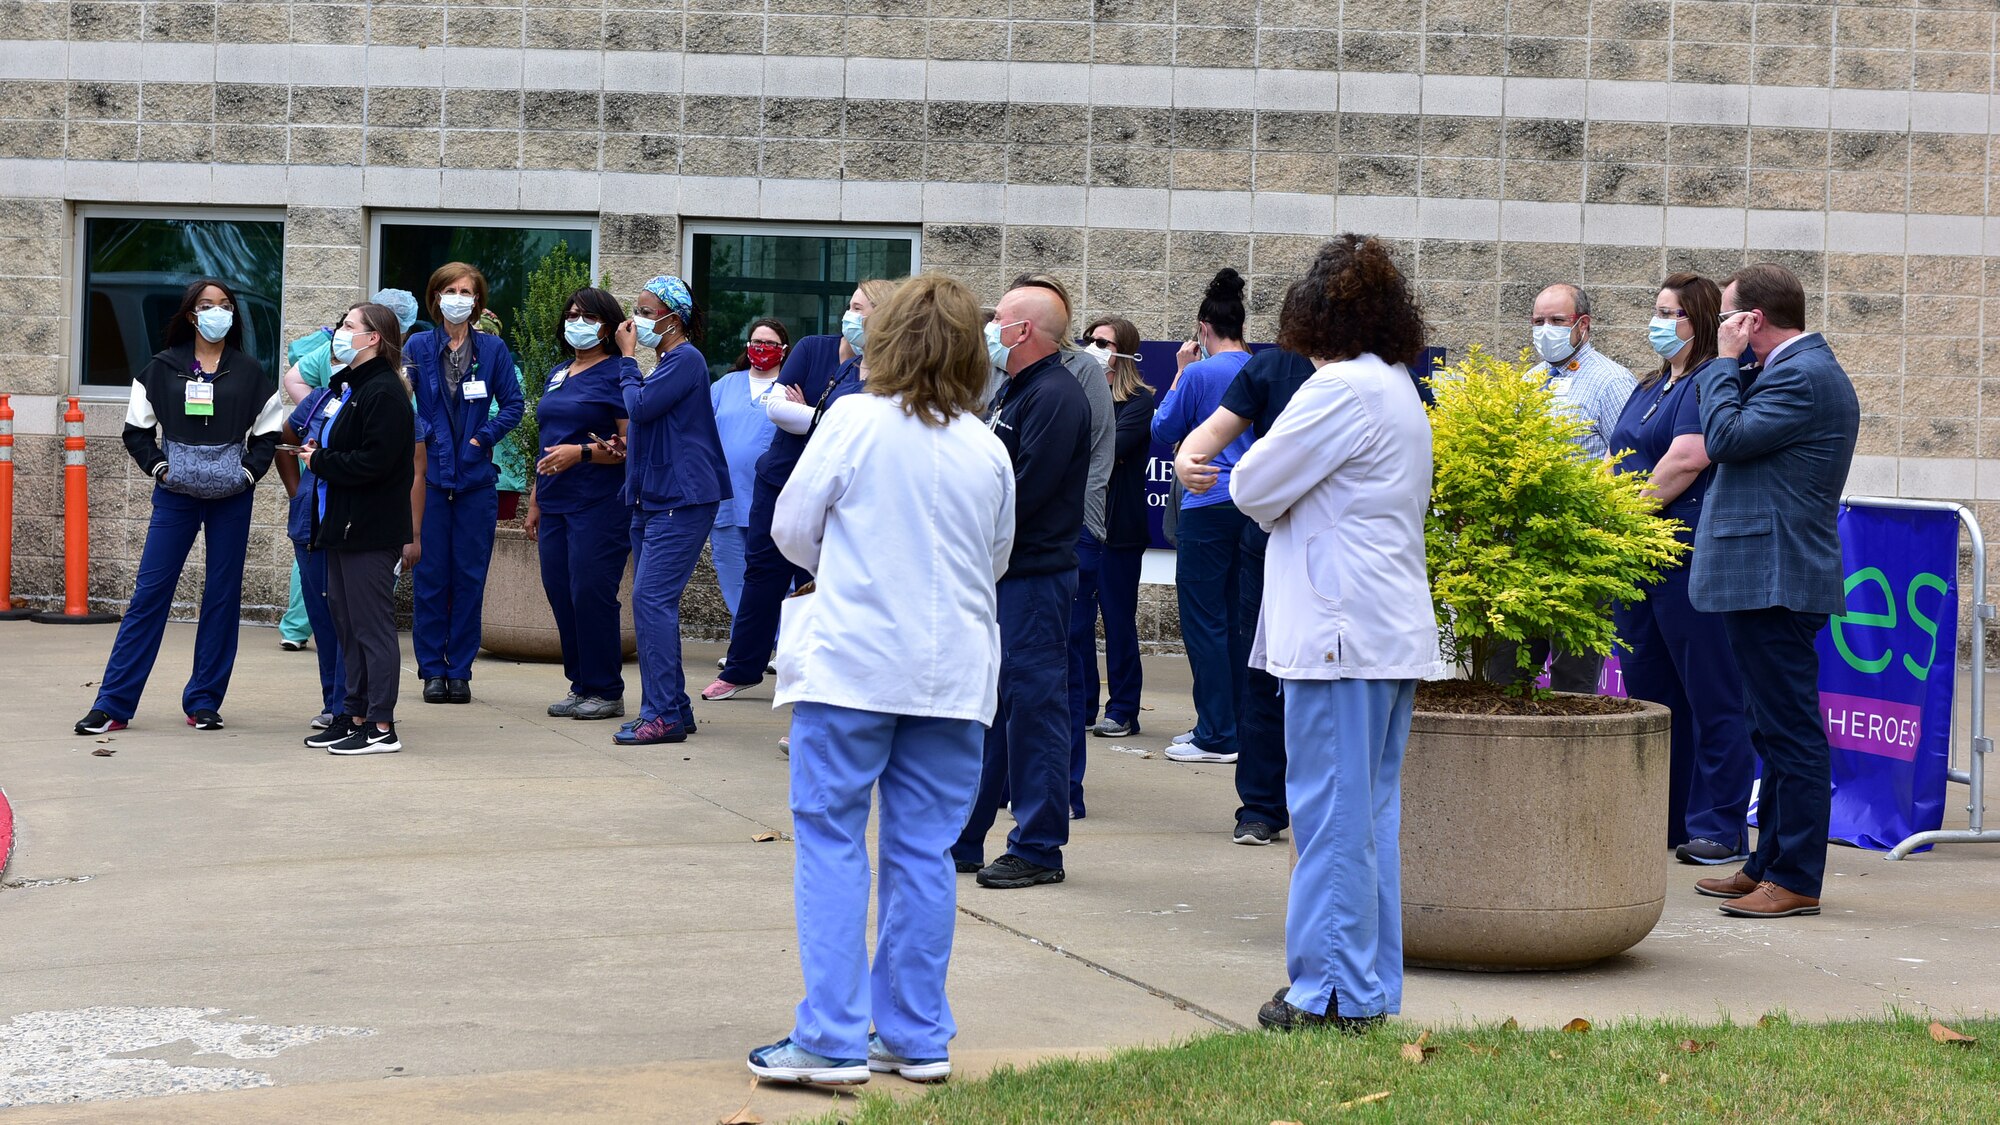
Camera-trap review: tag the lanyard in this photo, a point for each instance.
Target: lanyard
(319, 482)
(1664, 392)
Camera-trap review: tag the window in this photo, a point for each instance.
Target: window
(803, 276)
(506, 248)
(137, 263)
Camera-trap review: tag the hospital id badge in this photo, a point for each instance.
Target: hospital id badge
(200, 398)
(1560, 387)
(474, 388)
(332, 408)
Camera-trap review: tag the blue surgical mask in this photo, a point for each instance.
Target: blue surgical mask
(853, 326)
(1552, 343)
(214, 323)
(581, 333)
(456, 307)
(995, 350)
(343, 346)
(1664, 334)
(648, 330)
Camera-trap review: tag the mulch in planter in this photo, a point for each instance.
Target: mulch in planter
(1467, 697)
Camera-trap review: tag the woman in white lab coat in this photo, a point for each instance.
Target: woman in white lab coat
(902, 508)
(1341, 482)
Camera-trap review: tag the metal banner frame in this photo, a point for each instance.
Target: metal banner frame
(1974, 776)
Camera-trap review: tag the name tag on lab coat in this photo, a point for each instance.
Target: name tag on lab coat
(200, 398)
(474, 388)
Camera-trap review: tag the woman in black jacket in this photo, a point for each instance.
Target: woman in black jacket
(1115, 342)
(203, 422)
(361, 519)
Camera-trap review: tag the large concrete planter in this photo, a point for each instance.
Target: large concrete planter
(1532, 842)
(517, 623)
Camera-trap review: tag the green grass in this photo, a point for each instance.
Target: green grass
(1852, 1073)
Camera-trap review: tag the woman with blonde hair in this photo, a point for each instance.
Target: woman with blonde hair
(1114, 341)
(892, 666)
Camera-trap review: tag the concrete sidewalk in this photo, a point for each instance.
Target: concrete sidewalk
(516, 919)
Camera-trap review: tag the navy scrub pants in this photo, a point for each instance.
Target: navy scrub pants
(450, 583)
(1260, 710)
(1083, 661)
(1680, 657)
(1027, 747)
(767, 577)
(224, 526)
(312, 591)
(665, 546)
(1780, 667)
(583, 557)
(1118, 593)
(927, 770)
(1205, 579)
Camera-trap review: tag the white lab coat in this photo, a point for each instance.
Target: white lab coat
(1342, 482)
(906, 527)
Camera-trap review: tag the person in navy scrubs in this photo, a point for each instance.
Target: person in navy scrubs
(675, 478)
(1675, 654)
(576, 508)
(458, 373)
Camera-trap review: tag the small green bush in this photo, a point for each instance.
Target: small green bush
(533, 333)
(1526, 537)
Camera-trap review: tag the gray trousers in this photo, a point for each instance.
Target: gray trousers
(1568, 672)
(361, 591)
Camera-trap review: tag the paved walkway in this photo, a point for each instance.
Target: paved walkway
(515, 919)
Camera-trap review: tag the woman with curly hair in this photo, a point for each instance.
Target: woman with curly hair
(1341, 482)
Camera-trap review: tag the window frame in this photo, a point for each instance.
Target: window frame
(518, 220)
(912, 233)
(79, 285)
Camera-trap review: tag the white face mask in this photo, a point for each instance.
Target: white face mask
(343, 346)
(456, 307)
(1552, 343)
(214, 323)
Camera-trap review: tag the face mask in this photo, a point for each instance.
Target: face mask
(852, 329)
(580, 333)
(649, 331)
(213, 324)
(1664, 334)
(995, 350)
(764, 357)
(1101, 353)
(456, 307)
(1552, 343)
(343, 346)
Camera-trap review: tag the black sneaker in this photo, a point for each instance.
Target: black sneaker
(1280, 1014)
(337, 731)
(1255, 833)
(205, 719)
(435, 690)
(1708, 853)
(97, 722)
(966, 866)
(367, 739)
(1010, 872)
(457, 691)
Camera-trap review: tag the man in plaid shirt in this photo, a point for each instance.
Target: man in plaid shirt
(1592, 387)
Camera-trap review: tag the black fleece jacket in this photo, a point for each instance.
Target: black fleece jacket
(244, 410)
(1043, 419)
(364, 460)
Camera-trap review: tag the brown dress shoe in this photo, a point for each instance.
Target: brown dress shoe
(1732, 886)
(1770, 900)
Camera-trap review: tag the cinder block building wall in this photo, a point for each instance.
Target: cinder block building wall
(1130, 146)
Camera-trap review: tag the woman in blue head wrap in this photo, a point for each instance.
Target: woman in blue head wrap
(675, 476)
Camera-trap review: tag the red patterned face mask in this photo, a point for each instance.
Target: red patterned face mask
(764, 357)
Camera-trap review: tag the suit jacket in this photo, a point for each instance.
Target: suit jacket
(1782, 442)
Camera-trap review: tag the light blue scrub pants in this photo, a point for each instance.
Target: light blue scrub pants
(1343, 780)
(725, 551)
(928, 770)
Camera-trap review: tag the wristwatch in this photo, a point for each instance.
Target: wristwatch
(585, 449)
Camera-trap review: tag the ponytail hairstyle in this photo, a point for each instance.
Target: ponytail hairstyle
(1222, 306)
(1352, 300)
(381, 320)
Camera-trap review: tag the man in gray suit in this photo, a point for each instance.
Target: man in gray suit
(1767, 557)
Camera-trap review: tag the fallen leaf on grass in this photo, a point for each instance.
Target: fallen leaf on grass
(1766, 1020)
(1481, 1049)
(1374, 1097)
(1555, 1054)
(1512, 1024)
(743, 1116)
(101, 752)
(1284, 1123)
(1577, 1025)
(1943, 1034)
(1696, 1047)
(1412, 1053)
(1665, 1078)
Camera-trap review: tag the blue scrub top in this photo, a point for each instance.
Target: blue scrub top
(746, 432)
(1653, 417)
(573, 407)
(674, 457)
(1193, 398)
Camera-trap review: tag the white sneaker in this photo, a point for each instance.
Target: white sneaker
(1189, 752)
(1183, 738)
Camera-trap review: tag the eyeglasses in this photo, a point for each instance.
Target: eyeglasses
(591, 317)
(1671, 314)
(204, 306)
(1724, 318)
(1096, 341)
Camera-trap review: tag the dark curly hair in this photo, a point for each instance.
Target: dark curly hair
(1222, 305)
(1352, 300)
